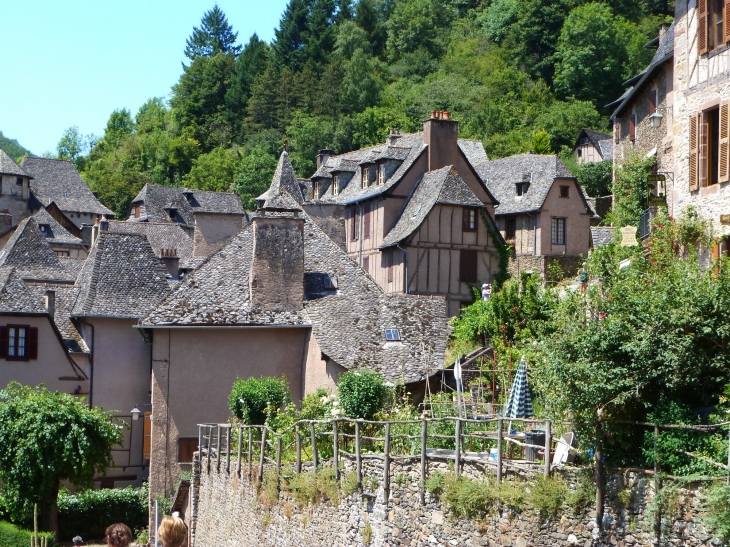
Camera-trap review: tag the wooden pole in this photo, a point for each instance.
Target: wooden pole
(299, 450)
(335, 450)
(228, 450)
(499, 451)
(200, 442)
(457, 446)
(313, 434)
(386, 464)
(263, 453)
(218, 449)
(599, 478)
(548, 446)
(210, 435)
(358, 460)
(278, 460)
(422, 485)
(658, 522)
(240, 447)
(250, 451)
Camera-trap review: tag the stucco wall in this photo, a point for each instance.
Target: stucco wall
(213, 231)
(577, 225)
(319, 372)
(14, 198)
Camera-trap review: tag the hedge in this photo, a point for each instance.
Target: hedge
(12, 536)
(88, 513)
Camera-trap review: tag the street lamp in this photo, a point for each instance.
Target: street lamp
(656, 120)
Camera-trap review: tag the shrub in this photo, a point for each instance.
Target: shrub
(547, 495)
(718, 511)
(435, 483)
(361, 393)
(250, 399)
(89, 512)
(12, 536)
(469, 498)
(349, 483)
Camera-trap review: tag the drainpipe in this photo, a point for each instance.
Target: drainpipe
(359, 237)
(405, 268)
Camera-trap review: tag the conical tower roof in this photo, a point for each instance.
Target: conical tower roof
(284, 179)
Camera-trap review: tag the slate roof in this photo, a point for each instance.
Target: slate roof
(121, 278)
(156, 198)
(443, 186)
(30, 254)
(58, 181)
(501, 176)
(72, 265)
(605, 148)
(9, 167)
(15, 296)
(473, 150)
(601, 235)
(57, 233)
(594, 136)
(284, 179)
(65, 298)
(160, 235)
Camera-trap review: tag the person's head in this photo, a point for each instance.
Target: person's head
(78, 541)
(118, 535)
(485, 285)
(172, 532)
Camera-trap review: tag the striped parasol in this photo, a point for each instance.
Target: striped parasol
(519, 404)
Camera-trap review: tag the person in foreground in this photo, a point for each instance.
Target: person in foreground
(172, 532)
(118, 535)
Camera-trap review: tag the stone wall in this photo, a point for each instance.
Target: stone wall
(228, 512)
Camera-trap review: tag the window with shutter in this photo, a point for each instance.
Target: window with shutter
(366, 221)
(32, 343)
(652, 101)
(694, 129)
(468, 266)
(632, 127)
(702, 25)
(354, 225)
(4, 332)
(724, 143)
(146, 443)
(21, 343)
(703, 150)
(186, 446)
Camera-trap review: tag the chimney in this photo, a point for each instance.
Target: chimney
(188, 195)
(104, 225)
(441, 134)
(662, 31)
(276, 279)
(323, 156)
(95, 231)
(51, 302)
(393, 137)
(171, 261)
(86, 237)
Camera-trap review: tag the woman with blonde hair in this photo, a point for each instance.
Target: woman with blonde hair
(118, 535)
(172, 532)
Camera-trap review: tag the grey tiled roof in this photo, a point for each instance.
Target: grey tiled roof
(284, 179)
(57, 233)
(502, 175)
(161, 235)
(443, 186)
(605, 148)
(65, 299)
(601, 235)
(30, 254)
(15, 296)
(58, 181)
(122, 277)
(473, 150)
(157, 198)
(9, 167)
(72, 265)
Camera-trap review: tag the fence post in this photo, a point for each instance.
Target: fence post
(386, 465)
(457, 446)
(228, 450)
(657, 485)
(299, 449)
(548, 446)
(200, 441)
(358, 461)
(263, 452)
(250, 451)
(210, 436)
(499, 451)
(422, 486)
(335, 450)
(240, 446)
(218, 450)
(278, 461)
(313, 434)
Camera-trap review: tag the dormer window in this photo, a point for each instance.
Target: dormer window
(330, 282)
(315, 190)
(335, 185)
(368, 175)
(392, 335)
(381, 174)
(45, 229)
(19, 181)
(521, 188)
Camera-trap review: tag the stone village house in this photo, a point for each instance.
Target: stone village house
(592, 146)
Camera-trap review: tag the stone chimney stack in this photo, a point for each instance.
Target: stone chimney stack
(277, 269)
(50, 302)
(393, 137)
(171, 261)
(323, 156)
(441, 134)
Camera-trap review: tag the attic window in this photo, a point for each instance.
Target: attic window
(45, 229)
(392, 335)
(521, 188)
(330, 282)
(65, 193)
(565, 191)
(381, 173)
(335, 185)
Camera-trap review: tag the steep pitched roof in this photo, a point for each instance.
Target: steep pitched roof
(121, 277)
(284, 179)
(161, 235)
(605, 148)
(64, 302)
(157, 198)
(58, 181)
(9, 167)
(540, 171)
(55, 233)
(15, 296)
(473, 150)
(443, 186)
(594, 136)
(30, 254)
(601, 235)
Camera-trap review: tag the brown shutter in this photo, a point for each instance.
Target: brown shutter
(632, 127)
(366, 222)
(353, 225)
(652, 101)
(147, 432)
(724, 148)
(31, 343)
(4, 341)
(617, 131)
(694, 178)
(468, 266)
(702, 156)
(702, 29)
(390, 265)
(726, 22)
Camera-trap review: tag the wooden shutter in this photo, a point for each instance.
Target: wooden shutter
(468, 266)
(617, 131)
(632, 127)
(353, 226)
(702, 27)
(390, 265)
(186, 447)
(724, 147)
(4, 341)
(31, 343)
(652, 101)
(694, 129)
(366, 221)
(146, 443)
(726, 22)
(702, 156)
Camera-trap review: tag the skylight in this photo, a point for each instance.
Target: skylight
(392, 335)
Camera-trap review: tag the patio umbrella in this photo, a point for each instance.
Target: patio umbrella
(519, 404)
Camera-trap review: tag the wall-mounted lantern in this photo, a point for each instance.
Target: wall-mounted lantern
(656, 120)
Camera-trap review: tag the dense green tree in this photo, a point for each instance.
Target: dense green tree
(72, 146)
(252, 61)
(153, 116)
(214, 171)
(596, 177)
(214, 36)
(11, 147)
(49, 437)
(253, 175)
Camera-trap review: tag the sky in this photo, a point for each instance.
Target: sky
(72, 63)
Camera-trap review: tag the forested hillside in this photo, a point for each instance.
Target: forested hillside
(517, 74)
(12, 147)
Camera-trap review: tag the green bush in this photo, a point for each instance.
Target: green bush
(12, 536)
(362, 393)
(88, 513)
(547, 495)
(251, 399)
(717, 506)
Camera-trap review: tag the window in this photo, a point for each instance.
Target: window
(521, 188)
(354, 225)
(65, 193)
(565, 191)
(709, 159)
(330, 282)
(368, 175)
(366, 263)
(335, 185)
(510, 229)
(392, 335)
(137, 210)
(19, 342)
(185, 448)
(712, 33)
(632, 127)
(63, 253)
(468, 266)
(558, 231)
(381, 173)
(580, 152)
(366, 221)
(469, 220)
(652, 101)
(19, 181)
(45, 230)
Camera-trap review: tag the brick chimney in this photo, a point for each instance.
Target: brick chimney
(277, 269)
(171, 261)
(441, 134)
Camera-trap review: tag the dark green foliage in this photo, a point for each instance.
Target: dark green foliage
(214, 36)
(12, 536)
(12, 147)
(88, 513)
(362, 393)
(252, 399)
(596, 177)
(718, 511)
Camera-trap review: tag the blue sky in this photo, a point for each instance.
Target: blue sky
(74, 62)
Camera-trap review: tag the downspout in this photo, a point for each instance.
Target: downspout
(91, 365)
(405, 268)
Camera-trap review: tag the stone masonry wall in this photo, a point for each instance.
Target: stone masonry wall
(229, 513)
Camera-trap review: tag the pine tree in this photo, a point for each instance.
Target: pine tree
(214, 36)
(252, 61)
